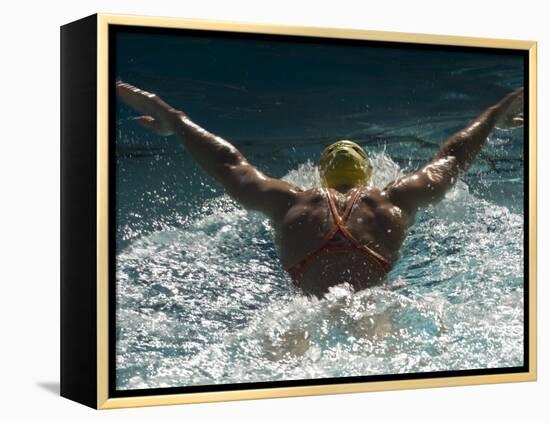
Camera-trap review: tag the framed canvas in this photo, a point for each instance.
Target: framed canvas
(257, 211)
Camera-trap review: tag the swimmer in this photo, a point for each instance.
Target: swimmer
(345, 231)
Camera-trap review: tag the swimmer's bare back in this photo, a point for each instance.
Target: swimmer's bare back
(379, 219)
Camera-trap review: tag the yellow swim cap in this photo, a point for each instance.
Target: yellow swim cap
(344, 163)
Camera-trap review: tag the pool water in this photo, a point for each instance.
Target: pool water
(200, 295)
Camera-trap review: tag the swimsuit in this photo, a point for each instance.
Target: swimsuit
(338, 240)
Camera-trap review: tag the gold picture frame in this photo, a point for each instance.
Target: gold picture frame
(85, 376)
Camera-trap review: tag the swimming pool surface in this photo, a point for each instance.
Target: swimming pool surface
(200, 295)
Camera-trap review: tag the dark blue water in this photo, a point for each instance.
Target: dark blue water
(201, 297)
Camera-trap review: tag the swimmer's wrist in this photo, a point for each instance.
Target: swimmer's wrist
(178, 119)
(503, 104)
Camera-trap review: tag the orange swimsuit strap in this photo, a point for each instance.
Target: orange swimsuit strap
(297, 270)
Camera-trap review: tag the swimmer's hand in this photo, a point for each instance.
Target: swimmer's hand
(511, 114)
(157, 115)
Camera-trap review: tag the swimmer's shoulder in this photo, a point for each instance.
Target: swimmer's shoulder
(314, 195)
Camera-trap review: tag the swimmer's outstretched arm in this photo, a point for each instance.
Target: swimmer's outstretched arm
(217, 157)
(429, 184)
